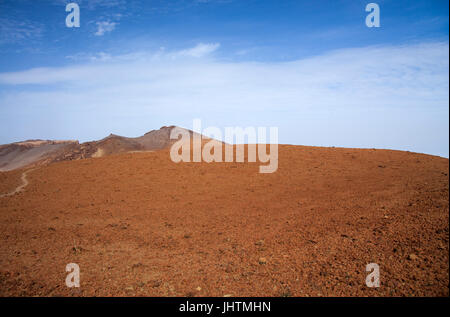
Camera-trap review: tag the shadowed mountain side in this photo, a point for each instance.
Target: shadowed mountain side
(21, 154)
(38, 152)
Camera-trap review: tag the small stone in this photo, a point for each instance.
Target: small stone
(262, 260)
(155, 283)
(259, 243)
(227, 295)
(199, 289)
(412, 257)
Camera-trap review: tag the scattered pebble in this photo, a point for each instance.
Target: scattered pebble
(412, 257)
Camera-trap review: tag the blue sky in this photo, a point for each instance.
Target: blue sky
(311, 68)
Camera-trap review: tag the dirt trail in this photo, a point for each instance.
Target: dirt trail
(20, 187)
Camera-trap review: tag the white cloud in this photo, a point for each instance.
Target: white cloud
(103, 57)
(104, 27)
(390, 96)
(200, 50)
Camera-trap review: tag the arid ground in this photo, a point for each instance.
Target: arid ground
(138, 224)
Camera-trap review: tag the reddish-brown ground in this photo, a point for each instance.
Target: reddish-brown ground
(139, 224)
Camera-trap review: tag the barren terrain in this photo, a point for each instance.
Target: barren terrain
(140, 225)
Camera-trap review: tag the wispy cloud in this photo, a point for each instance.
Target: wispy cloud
(104, 27)
(14, 30)
(359, 97)
(93, 4)
(200, 50)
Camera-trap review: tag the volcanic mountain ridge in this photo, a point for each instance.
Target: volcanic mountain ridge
(37, 152)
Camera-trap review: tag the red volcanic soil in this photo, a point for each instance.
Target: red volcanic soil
(140, 225)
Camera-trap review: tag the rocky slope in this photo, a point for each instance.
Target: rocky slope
(39, 152)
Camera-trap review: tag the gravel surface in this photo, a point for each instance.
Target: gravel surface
(138, 224)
